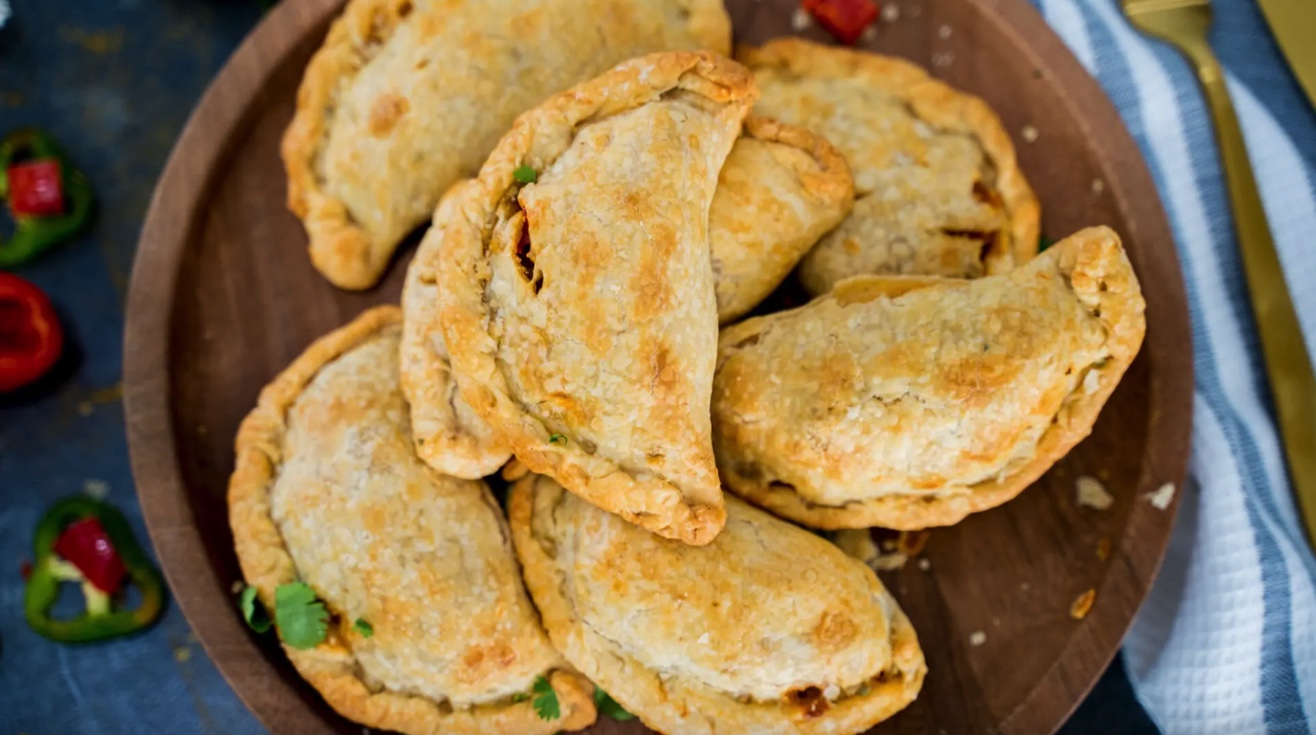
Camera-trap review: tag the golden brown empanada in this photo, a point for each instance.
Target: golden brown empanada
(579, 309)
(408, 96)
(781, 188)
(328, 491)
(938, 191)
(768, 629)
(911, 402)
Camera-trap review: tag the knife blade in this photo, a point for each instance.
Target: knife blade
(1294, 24)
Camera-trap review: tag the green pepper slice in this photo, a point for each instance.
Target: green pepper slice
(102, 619)
(35, 235)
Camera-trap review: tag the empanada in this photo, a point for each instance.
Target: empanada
(768, 629)
(407, 96)
(579, 307)
(938, 190)
(909, 402)
(328, 491)
(448, 434)
(781, 188)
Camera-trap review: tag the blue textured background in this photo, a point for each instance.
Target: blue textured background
(114, 80)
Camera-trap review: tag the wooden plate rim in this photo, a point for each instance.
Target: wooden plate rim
(226, 107)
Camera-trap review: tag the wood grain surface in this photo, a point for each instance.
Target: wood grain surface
(223, 296)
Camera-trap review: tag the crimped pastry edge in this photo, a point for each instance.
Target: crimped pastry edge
(661, 702)
(331, 667)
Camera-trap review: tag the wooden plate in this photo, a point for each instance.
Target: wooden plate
(223, 297)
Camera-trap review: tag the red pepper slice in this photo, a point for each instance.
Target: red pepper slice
(36, 188)
(844, 19)
(86, 545)
(30, 336)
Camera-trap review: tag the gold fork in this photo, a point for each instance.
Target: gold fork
(1184, 24)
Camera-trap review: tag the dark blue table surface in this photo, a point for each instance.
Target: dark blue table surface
(114, 80)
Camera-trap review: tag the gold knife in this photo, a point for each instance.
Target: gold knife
(1294, 24)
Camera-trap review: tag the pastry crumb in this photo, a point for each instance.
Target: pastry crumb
(832, 692)
(859, 543)
(85, 408)
(977, 638)
(1025, 586)
(869, 35)
(1092, 493)
(943, 60)
(925, 564)
(1098, 186)
(891, 13)
(1103, 548)
(801, 20)
(1162, 496)
(237, 587)
(1082, 605)
(97, 489)
(182, 654)
(944, 32)
(1030, 134)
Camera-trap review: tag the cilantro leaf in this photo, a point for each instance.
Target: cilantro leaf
(555, 438)
(608, 706)
(303, 621)
(252, 611)
(545, 701)
(525, 175)
(520, 697)
(364, 627)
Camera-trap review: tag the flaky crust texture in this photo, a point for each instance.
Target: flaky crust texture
(782, 633)
(912, 402)
(392, 111)
(781, 189)
(606, 394)
(448, 434)
(341, 667)
(853, 98)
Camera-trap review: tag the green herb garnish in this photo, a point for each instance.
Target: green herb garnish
(555, 438)
(608, 706)
(252, 611)
(363, 627)
(864, 690)
(545, 701)
(520, 697)
(303, 621)
(1044, 242)
(525, 175)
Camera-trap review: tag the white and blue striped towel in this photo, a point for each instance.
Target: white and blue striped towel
(1226, 643)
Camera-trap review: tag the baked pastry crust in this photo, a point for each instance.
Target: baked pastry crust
(405, 97)
(781, 189)
(912, 402)
(607, 395)
(938, 189)
(448, 434)
(327, 491)
(782, 633)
